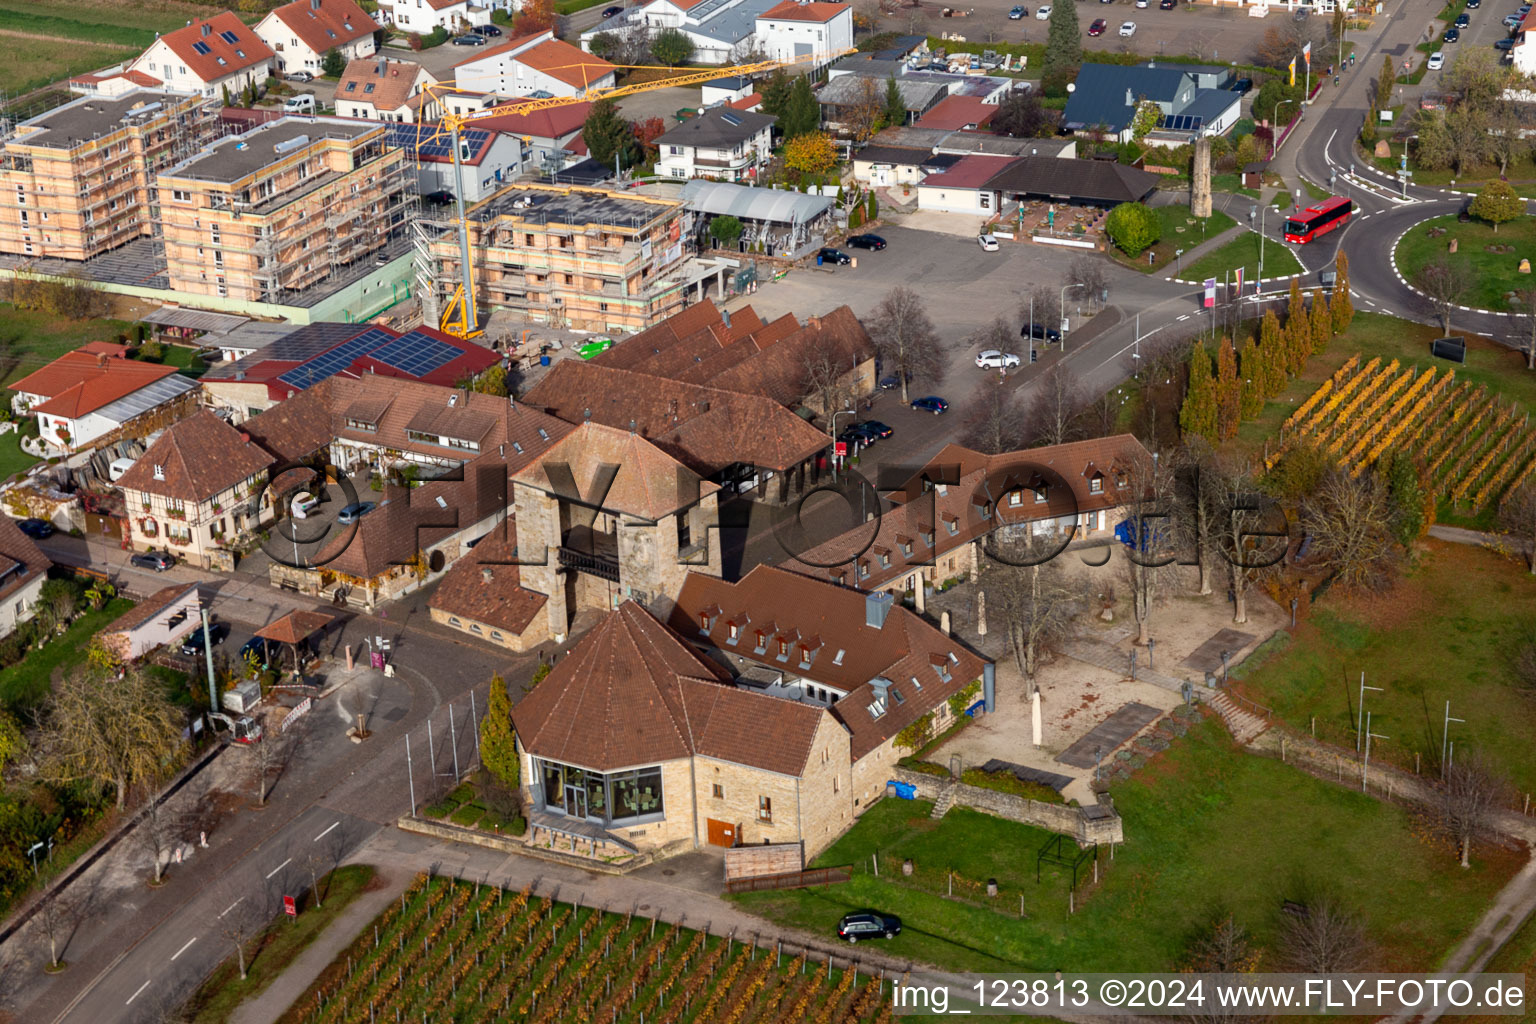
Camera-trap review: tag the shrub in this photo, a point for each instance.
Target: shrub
(1007, 782)
(1132, 227)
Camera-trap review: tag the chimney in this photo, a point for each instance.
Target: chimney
(487, 574)
(383, 63)
(207, 29)
(101, 360)
(876, 607)
(314, 5)
(989, 686)
(725, 318)
(813, 322)
(881, 686)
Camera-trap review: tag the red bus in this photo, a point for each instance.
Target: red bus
(1319, 219)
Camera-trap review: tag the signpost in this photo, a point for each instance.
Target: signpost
(840, 449)
(290, 907)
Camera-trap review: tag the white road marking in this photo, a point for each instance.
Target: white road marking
(137, 994)
(279, 867)
(327, 832)
(1183, 318)
(233, 905)
(183, 949)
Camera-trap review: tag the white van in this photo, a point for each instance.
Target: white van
(303, 103)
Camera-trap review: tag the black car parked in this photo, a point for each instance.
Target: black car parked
(874, 242)
(868, 924)
(835, 256)
(193, 644)
(1040, 332)
(37, 529)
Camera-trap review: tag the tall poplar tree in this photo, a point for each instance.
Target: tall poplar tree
(498, 748)
(1063, 49)
(1251, 387)
(1340, 307)
(1322, 323)
(1298, 331)
(1198, 415)
(1272, 354)
(1228, 391)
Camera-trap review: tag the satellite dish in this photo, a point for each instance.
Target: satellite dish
(1071, 87)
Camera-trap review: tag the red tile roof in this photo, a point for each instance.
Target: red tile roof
(362, 83)
(969, 172)
(136, 77)
(846, 652)
(956, 112)
(81, 382)
(198, 458)
(322, 24)
(548, 123)
(554, 57)
(632, 693)
(206, 66)
(789, 10)
(27, 561)
(485, 585)
(751, 102)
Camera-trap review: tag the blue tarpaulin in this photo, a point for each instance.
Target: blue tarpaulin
(905, 790)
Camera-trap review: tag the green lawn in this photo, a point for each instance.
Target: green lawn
(1490, 274)
(12, 459)
(277, 947)
(35, 21)
(1208, 829)
(1243, 251)
(28, 682)
(1475, 605)
(35, 338)
(1177, 233)
(35, 62)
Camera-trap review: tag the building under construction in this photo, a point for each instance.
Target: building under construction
(564, 255)
(273, 212)
(80, 180)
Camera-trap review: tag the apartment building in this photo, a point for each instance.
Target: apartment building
(587, 258)
(281, 208)
(78, 180)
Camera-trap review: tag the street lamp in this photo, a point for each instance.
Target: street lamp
(1445, 736)
(1061, 305)
(1274, 137)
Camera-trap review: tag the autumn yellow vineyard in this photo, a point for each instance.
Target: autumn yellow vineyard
(1475, 445)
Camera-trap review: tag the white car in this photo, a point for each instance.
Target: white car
(992, 359)
(1127, 30)
(1141, 3)
(988, 243)
(1043, 12)
(1436, 60)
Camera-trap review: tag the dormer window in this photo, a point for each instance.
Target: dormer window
(1119, 480)
(735, 633)
(806, 655)
(1096, 484)
(762, 642)
(928, 538)
(906, 547)
(704, 624)
(783, 648)
(1040, 494)
(941, 666)
(952, 525)
(863, 569)
(986, 510)
(1016, 497)
(885, 559)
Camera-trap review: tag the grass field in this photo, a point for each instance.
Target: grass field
(1474, 607)
(35, 339)
(28, 682)
(1193, 821)
(1177, 234)
(12, 459)
(32, 63)
(283, 940)
(1490, 274)
(1243, 251)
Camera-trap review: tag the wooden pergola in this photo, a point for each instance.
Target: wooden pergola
(293, 629)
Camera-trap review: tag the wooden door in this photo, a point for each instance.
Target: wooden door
(722, 833)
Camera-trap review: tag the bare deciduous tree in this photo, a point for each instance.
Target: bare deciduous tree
(827, 384)
(906, 340)
(862, 116)
(270, 757)
(1054, 410)
(1324, 936)
(1196, 522)
(1517, 517)
(158, 833)
(1148, 506)
(997, 424)
(1444, 284)
(1089, 274)
(1351, 526)
(1033, 592)
(1043, 303)
(1222, 947)
(56, 919)
(1468, 795)
(117, 731)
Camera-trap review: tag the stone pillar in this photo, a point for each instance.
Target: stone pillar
(920, 597)
(944, 622)
(981, 613)
(1200, 179)
(1034, 716)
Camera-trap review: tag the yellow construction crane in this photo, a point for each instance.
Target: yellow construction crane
(461, 317)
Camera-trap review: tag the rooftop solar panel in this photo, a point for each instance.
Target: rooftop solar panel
(336, 359)
(420, 138)
(416, 354)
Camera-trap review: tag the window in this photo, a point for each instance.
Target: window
(181, 196)
(765, 808)
(952, 525)
(474, 627)
(838, 658)
(877, 708)
(735, 630)
(351, 87)
(368, 87)
(675, 150)
(1040, 495)
(986, 201)
(1096, 485)
(718, 792)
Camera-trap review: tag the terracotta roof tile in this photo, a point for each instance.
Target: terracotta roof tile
(296, 626)
(955, 112)
(649, 483)
(322, 24)
(184, 43)
(554, 57)
(362, 83)
(789, 10)
(81, 382)
(548, 123)
(485, 585)
(21, 560)
(197, 458)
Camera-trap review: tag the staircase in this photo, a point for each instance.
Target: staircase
(945, 801)
(1244, 724)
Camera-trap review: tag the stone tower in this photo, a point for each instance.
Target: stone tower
(1200, 179)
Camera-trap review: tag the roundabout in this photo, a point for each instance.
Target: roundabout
(1489, 259)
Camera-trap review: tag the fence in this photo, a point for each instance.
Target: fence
(791, 880)
(452, 746)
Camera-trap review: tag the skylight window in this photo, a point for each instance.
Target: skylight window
(368, 87)
(543, 434)
(838, 660)
(240, 53)
(202, 47)
(222, 61)
(229, 37)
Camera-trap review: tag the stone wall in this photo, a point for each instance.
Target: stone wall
(1072, 821)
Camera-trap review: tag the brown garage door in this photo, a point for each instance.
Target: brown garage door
(723, 833)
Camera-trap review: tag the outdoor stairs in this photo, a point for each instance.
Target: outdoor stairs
(945, 801)
(1244, 725)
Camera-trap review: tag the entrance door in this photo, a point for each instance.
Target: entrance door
(722, 833)
(576, 801)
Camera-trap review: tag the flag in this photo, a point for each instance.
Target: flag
(1293, 71)
(1240, 282)
(1210, 292)
(1306, 51)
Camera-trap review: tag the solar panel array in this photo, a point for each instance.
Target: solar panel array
(419, 137)
(1181, 123)
(337, 359)
(229, 37)
(416, 354)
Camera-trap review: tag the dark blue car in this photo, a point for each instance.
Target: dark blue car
(930, 403)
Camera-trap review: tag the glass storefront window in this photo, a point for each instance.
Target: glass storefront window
(620, 796)
(554, 786)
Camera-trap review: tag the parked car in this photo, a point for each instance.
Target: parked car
(1040, 332)
(1504, 44)
(1451, 35)
(1127, 29)
(486, 30)
(610, 12)
(37, 529)
(1098, 27)
(930, 403)
(1242, 86)
(1043, 12)
(159, 561)
(878, 429)
(868, 924)
(257, 646)
(1463, 20)
(355, 511)
(1017, 13)
(299, 76)
(988, 243)
(469, 40)
(1141, 3)
(1437, 60)
(193, 644)
(992, 359)
(890, 383)
(855, 435)
(834, 256)
(1167, 5)
(866, 242)
(1473, 5)
(1512, 21)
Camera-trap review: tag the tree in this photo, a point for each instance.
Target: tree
(1385, 79)
(1222, 946)
(115, 732)
(810, 153)
(1350, 521)
(1251, 532)
(905, 338)
(13, 742)
(1149, 489)
(498, 745)
(1496, 203)
(1324, 937)
(1058, 401)
(1408, 496)
(1322, 323)
(863, 116)
(1228, 391)
(1444, 284)
(1250, 402)
(827, 384)
(1298, 331)
(1020, 115)
(238, 924)
(895, 106)
(1340, 307)
(996, 424)
(1198, 416)
(1272, 349)
(775, 93)
(802, 113)
(1063, 50)
(532, 17)
(671, 47)
(1145, 119)
(608, 135)
(492, 381)
(158, 833)
(1469, 792)
(334, 64)
(57, 917)
(1088, 275)
(647, 132)
(1477, 79)
(1131, 226)
(1517, 517)
(725, 230)
(605, 45)
(1031, 590)
(1284, 40)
